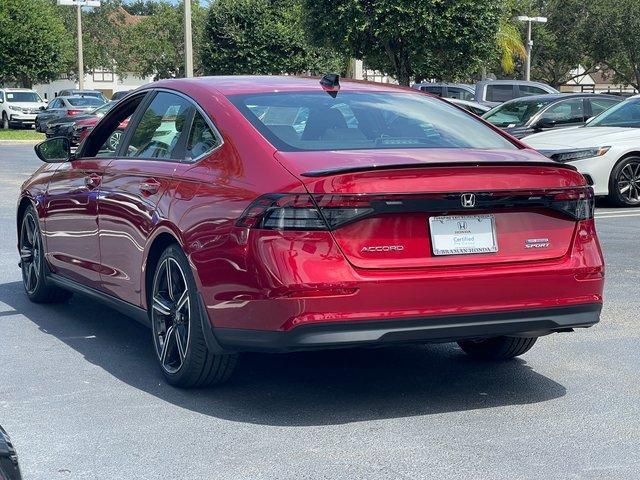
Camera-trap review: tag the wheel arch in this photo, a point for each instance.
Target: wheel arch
(23, 204)
(161, 239)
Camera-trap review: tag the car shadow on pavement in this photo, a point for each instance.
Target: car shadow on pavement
(296, 389)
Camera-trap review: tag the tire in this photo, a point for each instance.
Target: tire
(624, 183)
(497, 348)
(32, 262)
(184, 359)
(5, 121)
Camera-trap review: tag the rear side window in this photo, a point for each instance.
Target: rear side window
(460, 93)
(599, 105)
(312, 121)
(157, 134)
(499, 93)
(434, 90)
(201, 140)
(527, 90)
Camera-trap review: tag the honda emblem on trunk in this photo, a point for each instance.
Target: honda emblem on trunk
(468, 200)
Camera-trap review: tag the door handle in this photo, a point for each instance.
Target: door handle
(92, 180)
(150, 186)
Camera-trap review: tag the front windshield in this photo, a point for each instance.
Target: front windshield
(514, 114)
(84, 101)
(312, 121)
(23, 97)
(625, 114)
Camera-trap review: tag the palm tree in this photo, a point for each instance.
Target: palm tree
(509, 45)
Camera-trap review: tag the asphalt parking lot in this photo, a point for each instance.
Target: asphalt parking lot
(82, 398)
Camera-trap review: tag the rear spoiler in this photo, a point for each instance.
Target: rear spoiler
(364, 168)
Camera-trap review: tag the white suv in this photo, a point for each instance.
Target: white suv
(19, 106)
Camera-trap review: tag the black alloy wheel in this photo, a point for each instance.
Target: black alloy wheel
(32, 262)
(624, 186)
(177, 322)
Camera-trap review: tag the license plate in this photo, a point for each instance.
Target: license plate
(463, 235)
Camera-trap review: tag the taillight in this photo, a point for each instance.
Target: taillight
(300, 212)
(73, 112)
(578, 203)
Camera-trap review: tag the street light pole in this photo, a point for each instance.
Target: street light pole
(529, 45)
(188, 42)
(80, 55)
(79, 4)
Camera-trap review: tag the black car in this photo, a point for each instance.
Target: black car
(120, 94)
(527, 115)
(9, 469)
(61, 107)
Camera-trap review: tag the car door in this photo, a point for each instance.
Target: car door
(72, 220)
(72, 234)
(133, 187)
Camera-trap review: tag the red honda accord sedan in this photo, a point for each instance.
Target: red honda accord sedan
(280, 213)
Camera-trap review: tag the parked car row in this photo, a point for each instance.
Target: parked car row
(21, 107)
(486, 92)
(596, 133)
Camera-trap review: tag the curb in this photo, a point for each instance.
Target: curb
(19, 142)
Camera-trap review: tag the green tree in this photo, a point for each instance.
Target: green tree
(103, 30)
(559, 45)
(155, 44)
(509, 43)
(611, 32)
(262, 37)
(33, 42)
(405, 38)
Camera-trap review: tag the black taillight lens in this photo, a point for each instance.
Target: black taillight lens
(301, 212)
(577, 203)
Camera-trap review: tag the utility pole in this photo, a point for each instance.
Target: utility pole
(79, 4)
(529, 45)
(80, 55)
(188, 41)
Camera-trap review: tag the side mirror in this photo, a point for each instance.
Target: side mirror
(1, 100)
(54, 150)
(543, 123)
(42, 107)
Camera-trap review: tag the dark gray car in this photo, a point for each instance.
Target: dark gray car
(495, 92)
(460, 91)
(65, 106)
(528, 115)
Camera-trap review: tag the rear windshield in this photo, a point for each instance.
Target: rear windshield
(294, 121)
(85, 102)
(515, 114)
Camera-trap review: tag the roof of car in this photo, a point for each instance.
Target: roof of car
(78, 90)
(559, 96)
(231, 85)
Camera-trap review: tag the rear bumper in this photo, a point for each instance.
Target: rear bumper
(527, 323)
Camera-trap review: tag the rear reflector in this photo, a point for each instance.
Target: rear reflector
(330, 211)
